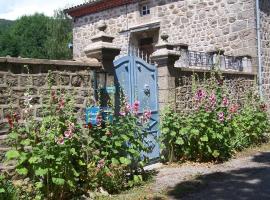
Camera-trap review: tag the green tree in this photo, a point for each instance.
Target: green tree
(30, 34)
(60, 30)
(38, 36)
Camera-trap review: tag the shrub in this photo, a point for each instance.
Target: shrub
(216, 127)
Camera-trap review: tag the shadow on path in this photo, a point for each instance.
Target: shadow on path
(240, 184)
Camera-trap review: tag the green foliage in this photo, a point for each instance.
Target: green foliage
(37, 36)
(7, 189)
(216, 127)
(62, 159)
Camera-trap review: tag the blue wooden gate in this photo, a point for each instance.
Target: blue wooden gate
(138, 79)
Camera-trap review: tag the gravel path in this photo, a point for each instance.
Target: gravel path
(240, 179)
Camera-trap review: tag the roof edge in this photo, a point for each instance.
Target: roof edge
(96, 6)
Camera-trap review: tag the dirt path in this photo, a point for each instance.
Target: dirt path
(243, 178)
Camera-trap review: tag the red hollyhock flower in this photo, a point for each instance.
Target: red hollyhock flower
(10, 121)
(263, 107)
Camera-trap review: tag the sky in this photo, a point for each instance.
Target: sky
(12, 9)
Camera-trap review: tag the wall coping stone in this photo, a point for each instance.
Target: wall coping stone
(31, 61)
(185, 69)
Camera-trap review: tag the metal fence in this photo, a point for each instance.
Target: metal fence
(209, 60)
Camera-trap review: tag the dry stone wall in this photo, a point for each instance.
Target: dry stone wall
(19, 77)
(265, 37)
(238, 86)
(204, 25)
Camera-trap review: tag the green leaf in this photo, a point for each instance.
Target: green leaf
(115, 161)
(118, 144)
(195, 131)
(125, 161)
(73, 151)
(173, 133)
(204, 138)
(12, 154)
(22, 171)
(25, 142)
(215, 153)
(58, 181)
(41, 172)
(179, 141)
(2, 190)
(39, 185)
(34, 159)
(137, 178)
(125, 138)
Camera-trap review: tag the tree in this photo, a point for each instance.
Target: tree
(60, 30)
(38, 36)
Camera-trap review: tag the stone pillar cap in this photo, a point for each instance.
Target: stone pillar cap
(164, 48)
(101, 42)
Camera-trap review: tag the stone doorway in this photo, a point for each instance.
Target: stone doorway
(143, 42)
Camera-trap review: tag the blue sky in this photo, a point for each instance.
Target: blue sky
(12, 9)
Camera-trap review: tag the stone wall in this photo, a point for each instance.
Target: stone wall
(68, 76)
(237, 84)
(204, 25)
(265, 37)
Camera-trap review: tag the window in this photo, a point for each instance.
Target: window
(145, 10)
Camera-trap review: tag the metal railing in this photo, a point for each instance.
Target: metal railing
(200, 59)
(209, 60)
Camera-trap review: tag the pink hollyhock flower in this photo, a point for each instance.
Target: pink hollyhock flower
(221, 116)
(61, 104)
(147, 114)
(136, 106)
(225, 101)
(61, 140)
(200, 95)
(122, 113)
(68, 134)
(234, 108)
(213, 99)
(71, 127)
(101, 163)
(127, 108)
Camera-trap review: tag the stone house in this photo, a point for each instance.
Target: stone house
(199, 29)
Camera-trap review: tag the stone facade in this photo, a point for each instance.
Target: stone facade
(203, 25)
(265, 42)
(237, 84)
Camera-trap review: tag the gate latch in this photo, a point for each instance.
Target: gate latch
(146, 90)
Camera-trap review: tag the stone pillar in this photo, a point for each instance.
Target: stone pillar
(247, 64)
(103, 49)
(165, 57)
